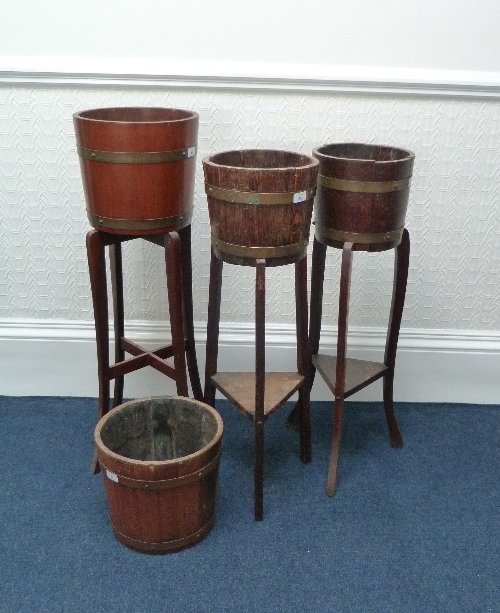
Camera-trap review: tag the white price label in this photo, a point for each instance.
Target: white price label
(111, 476)
(299, 197)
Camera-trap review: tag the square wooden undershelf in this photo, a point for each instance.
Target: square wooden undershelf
(359, 373)
(239, 388)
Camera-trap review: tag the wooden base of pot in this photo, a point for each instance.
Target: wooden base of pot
(180, 298)
(259, 394)
(345, 376)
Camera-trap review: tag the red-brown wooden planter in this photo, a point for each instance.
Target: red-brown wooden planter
(138, 167)
(362, 195)
(260, 203)
(160, 461)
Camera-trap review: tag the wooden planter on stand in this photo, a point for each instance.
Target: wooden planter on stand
(360, 206)
(138, 169)
(260, 204)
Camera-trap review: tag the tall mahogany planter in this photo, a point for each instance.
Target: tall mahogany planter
(138, 167)
(260, 204)
(360, 206)
(160, 463)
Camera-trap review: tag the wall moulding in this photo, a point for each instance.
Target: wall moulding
(128, 72)
(58, 358)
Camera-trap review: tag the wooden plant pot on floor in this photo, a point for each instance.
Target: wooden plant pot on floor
(160, 466)
(260, 204)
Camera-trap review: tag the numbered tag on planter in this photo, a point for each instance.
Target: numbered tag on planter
(111, 476)
(299, 197)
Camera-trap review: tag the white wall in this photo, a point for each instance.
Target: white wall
(420, 76)
(293, 38)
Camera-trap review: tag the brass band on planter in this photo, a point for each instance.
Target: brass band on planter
(100, 222)
(165, 484)
(259, 252)
(167, 545)
(367, 187)
(258, 198)
(359, 237)
(135, 157)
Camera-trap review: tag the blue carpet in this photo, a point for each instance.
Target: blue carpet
(413, 530)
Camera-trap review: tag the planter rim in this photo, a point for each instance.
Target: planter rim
(86, 115)
(319, 152)
(311, 162)
(102, 447)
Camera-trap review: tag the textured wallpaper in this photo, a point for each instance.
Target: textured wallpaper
(453, 214)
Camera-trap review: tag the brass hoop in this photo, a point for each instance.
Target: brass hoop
(176, 221)
(135, 157)
(259, 198)
(367, 187)
(259, 252)
(167, 545)
(164, 484)
(359, 237)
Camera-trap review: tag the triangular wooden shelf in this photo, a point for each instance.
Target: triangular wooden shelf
(359, 373)
(239, 388)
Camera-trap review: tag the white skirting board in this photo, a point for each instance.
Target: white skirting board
(58, 358)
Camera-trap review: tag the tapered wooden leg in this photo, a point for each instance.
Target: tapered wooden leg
(345, 282)
(398, 299)
(175, 304)
(303, 359)
(187, 286)
(97, 271)
(317, 279)
(260, 382)
(259, 471)
(212, 347)
(115, 258)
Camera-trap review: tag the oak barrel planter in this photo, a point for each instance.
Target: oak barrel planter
(260, 204)
(362, 195)
(160, 462)
(138, 167)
